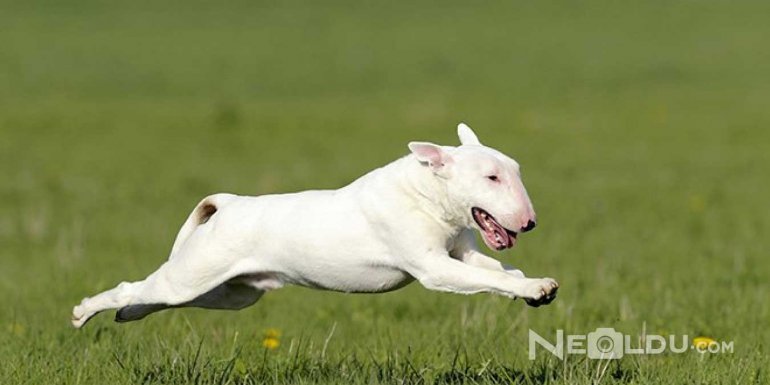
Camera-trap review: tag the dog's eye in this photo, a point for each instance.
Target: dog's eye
(493, 178)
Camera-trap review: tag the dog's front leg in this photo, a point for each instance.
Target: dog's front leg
(466, 249)
(443, 273)
(477, 258)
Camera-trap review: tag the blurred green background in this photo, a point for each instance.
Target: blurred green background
(641, 128)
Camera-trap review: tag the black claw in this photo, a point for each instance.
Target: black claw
(532, 302)
(545, 300)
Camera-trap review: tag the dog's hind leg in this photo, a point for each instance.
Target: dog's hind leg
(175, 284)
(136, 300)
(204, 270)
(199, 263)
(189, 279)
(112, 298)
(234, 294)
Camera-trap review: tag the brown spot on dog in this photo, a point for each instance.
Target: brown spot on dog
(205, 212)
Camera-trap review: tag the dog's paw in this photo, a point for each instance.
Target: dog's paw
(541, 292)
(80, 315)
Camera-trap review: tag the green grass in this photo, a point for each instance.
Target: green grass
(641, 128)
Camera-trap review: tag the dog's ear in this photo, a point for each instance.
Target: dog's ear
(430, 153)
(467, 136)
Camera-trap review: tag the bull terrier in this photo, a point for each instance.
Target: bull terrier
(413, 219)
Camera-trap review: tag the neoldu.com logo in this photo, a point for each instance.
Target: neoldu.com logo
(607, 343)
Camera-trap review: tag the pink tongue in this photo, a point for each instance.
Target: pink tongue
(491, 240)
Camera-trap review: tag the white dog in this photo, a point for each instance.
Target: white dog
(411, 219)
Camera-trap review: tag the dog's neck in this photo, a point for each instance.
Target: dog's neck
(431, 195)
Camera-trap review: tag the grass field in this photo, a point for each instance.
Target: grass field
(642, 128)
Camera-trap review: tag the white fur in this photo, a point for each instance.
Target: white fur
(410, 219)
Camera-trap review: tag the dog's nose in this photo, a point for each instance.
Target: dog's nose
(530, 225)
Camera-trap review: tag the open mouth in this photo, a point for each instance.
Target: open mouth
(495, 235)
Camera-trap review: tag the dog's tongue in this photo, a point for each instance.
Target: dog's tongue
(496, 237)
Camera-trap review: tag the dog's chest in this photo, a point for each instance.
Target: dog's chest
(358, 279)
(382, 280)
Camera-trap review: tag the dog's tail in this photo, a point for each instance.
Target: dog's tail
(200, 215)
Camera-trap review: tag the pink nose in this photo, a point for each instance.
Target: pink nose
(530, 225)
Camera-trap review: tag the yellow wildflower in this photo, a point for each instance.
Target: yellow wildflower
(272, 339)
(271, 343)
(702, 343)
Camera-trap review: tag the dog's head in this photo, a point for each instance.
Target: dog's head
(483, 184)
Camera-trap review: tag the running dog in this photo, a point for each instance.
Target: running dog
(413, 219)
